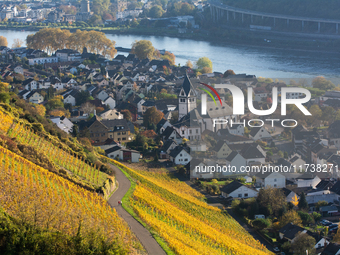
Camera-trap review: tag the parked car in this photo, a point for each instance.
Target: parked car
(276, 249)
(327, 223)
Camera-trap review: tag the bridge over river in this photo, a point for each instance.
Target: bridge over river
(269, 21)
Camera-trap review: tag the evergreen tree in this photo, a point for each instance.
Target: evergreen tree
(303, 202)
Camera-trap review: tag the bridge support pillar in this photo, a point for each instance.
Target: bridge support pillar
(302, 25)
(319, 25)
(337, 28)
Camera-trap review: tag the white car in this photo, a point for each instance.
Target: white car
(276, 249)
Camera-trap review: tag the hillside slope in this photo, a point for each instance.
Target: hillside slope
(45, 200)
(181, 217)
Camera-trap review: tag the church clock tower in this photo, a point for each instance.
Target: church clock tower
(186, 98)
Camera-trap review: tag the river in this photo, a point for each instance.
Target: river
(261, 61)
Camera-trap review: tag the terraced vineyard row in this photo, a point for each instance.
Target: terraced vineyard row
(35, 195)
(188, 224)
(58, 156)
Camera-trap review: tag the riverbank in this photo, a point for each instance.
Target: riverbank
(218, 36)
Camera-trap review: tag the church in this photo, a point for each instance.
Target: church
(190, 117)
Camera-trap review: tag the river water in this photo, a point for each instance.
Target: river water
(261, 61)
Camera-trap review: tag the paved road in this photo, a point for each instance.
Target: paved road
(144, 236)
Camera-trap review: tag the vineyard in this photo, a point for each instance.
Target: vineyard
(181, 217)
(33, 194)
(69, 162)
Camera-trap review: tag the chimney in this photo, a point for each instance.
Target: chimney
(94, 112)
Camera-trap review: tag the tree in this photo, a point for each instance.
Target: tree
(169, 56)
(320, 204)
(290, 217)
(316, 216)
(271, 200)
(260, 224)
(127, 114)
(143, 49)
(303, 202)
(41, 110)
(321, 82)
(3, 41)
(336, 237)
(189, 64)
(156, 11)
(5, 98)
(204, 62)
(305, 217)
(228, 72)
(302, 243)
(316, 115)
(152, 116)
(88, 108)
(206, 70)
(17, 43)
(82, 97)
(295, 200)
(54, 104)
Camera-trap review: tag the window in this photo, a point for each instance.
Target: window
(274, 185)
(274, 180)
(182, 100)
(239, 195)
(103, 134)
(118, 139)
(190, 131)
(182, 132)
(123, 133)
(186, 159)
(196, 131)
(245, 194)
(123, 138)
(118, 133)
(110, 136)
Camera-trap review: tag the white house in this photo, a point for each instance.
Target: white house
(321, 195)
(234, 159)
(113, 152)
(34, 97)
(307, 180)
(70, 97)
(253, 153)
(111, 114)
(272, 179)
(42, 60)
(110, 102)
(19, 69)
(180, 156)
(238, 190)
(198, 169)
(260, 94)
(63, 123)
(102, 95)
(129, 155)
(30, 84)
(236, 129)
(259, 133)
(171, 133)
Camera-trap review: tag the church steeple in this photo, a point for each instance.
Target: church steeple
(186, 98)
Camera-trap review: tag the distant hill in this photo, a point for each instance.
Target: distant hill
(305, 8)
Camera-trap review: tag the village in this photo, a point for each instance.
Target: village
(145, 111)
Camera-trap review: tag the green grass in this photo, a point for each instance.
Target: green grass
(127, 206)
